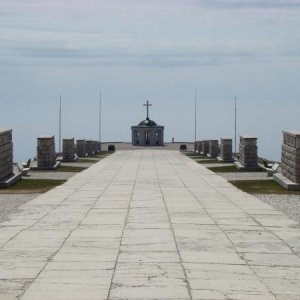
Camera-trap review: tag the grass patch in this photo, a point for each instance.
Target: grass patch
(62, 169)
(231, 169)
(86, 160)
(32, 186)
(70, 169)
(208, 161)
(262, 187)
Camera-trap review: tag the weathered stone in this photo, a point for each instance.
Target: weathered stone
(89, 147)
(213, 148)
(80, 148)
(46, 156)
(226, 150)
(69, 150)
(290, 157)
(205, 147)
(248, 151)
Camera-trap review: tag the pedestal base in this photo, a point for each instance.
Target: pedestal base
(286, 183)
(10, 180)
(220, 159)
(241, 167)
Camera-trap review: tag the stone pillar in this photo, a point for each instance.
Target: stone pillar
(46, 156)
(80, 145)
(248, 151)
(226, 150)
(213, 148)
(89, 147)
(68, 150)
(6, 153)
(290, 156)
(196, 148)
(205, 147)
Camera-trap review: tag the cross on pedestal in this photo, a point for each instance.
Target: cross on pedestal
(147, 104)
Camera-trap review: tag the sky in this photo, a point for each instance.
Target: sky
(158, 50)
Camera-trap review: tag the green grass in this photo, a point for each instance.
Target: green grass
(262, 187)
(70, 169)
(86, 160)
(231, 169)
(62, 169)
(33, 186)
(208, 161)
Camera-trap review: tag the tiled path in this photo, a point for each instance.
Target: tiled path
(149, 225)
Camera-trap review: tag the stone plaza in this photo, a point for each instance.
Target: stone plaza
(149, 224)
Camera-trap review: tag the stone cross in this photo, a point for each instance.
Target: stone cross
(147, 104)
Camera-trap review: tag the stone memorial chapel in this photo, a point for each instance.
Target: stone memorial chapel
(147, 132)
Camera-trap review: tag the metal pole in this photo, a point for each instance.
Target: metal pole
(59, 142)
(100, 107)
(196, 115)
(235, 111)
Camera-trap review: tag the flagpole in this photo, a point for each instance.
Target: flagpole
(196, 115)
(235, 123)
(59, 142)
(100, 112)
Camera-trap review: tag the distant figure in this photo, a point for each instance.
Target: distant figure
(172, 140)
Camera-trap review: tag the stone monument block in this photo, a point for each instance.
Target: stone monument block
(213, 148)
(290, 161)
(95, 147)
(89, 147)
(69, 154)
(196, 148)
(99, 147)
(247, 153)
(80, 148)
(205, 147)
(6, 153)
(226, 150)
(46, 156)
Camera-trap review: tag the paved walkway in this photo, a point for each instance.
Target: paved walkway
(149, 225)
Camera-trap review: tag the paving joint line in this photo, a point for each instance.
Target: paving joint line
(50, 259)
(224, 231)
(125, 224)
(189, 290)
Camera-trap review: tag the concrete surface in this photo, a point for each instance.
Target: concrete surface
(149, 225)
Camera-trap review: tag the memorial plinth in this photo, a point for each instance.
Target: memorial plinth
(290, 161)
(213, 149)
(226, 150)
(46, 155)
(95, 147)
(81, 149)
(7, 176)
(69, 154)
(247, 153)
(89, 147)
(197, 146)
(205, 147)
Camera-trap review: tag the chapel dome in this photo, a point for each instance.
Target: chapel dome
(148, 123)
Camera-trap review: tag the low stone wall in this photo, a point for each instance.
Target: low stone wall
(6, 153)
(46, 156)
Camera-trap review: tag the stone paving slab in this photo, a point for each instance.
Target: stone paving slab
(149, 224)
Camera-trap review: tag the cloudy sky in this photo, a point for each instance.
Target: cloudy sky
(157, 50)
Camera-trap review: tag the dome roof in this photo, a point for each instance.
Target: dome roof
(148, 122)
